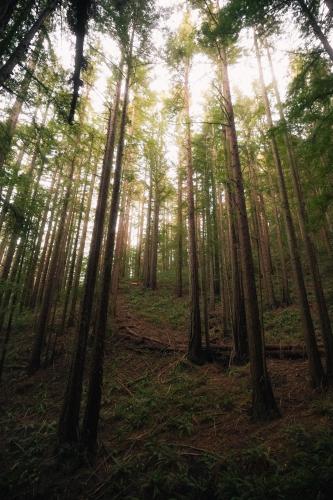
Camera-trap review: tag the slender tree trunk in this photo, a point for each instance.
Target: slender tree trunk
(315, 26)
(195, 346)
(323, 316)
(139, 246)
(179, 261)
(147, 251)
(35, 360)
(47, 250)
(154, 243)
(315, 366)
(94, 395)
(79, 260)
(238, 313)
(264, 405)
(69, 418)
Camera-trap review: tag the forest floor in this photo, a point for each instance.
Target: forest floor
(169, 429)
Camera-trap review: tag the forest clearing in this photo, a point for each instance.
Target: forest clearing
(166, 249)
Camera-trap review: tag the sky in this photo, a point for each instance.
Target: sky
(242, 74)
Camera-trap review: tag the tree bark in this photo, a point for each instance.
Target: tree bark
(263, 402)
(195, 344)
(315, 365)
(316, 28)
(69, 418)
(323, 316)
(94, 395)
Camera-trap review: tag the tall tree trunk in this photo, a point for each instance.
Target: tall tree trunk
(316, 28)
(94, 395)
(80, 253)
(315, 365)
(154, 242)
(264, 405)
(194, 346)
(323, 316)
(50, 288)
(119, 254)
(238, 313)
(147, 251)
(179, 261)
(69, 418)
(138, 267)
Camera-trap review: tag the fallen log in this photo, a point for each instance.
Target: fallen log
(215, 352)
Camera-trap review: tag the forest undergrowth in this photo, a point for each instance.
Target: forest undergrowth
(169, 429)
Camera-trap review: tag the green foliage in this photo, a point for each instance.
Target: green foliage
(156, 306)
(283, 325)
(181, 46)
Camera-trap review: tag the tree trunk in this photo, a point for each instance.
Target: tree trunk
(94, 395)
(147, 251)
(69, 418)
(323, 316)
(154, 243)
(50, 287)
(315, 26)
(194, 346)
(179, 261)
(80, 253)
(264, 405)
(315, 366)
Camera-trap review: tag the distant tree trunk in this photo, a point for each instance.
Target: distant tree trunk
(94, 395)
(138, 267)
(263, 239)
(80, 253)
(223, 245)
(69, 418)
(119, 249)
(74, 258)
(195, 346)
(23, 46)
(50, 287)
(33, 264)
(315, 366)
(12, 300)
(44, 260)
(179, 259)
(154, 242)
(204, 280)
(147, 250)
(264, 405)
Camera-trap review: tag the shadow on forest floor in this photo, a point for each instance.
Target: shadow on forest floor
(168, 429)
